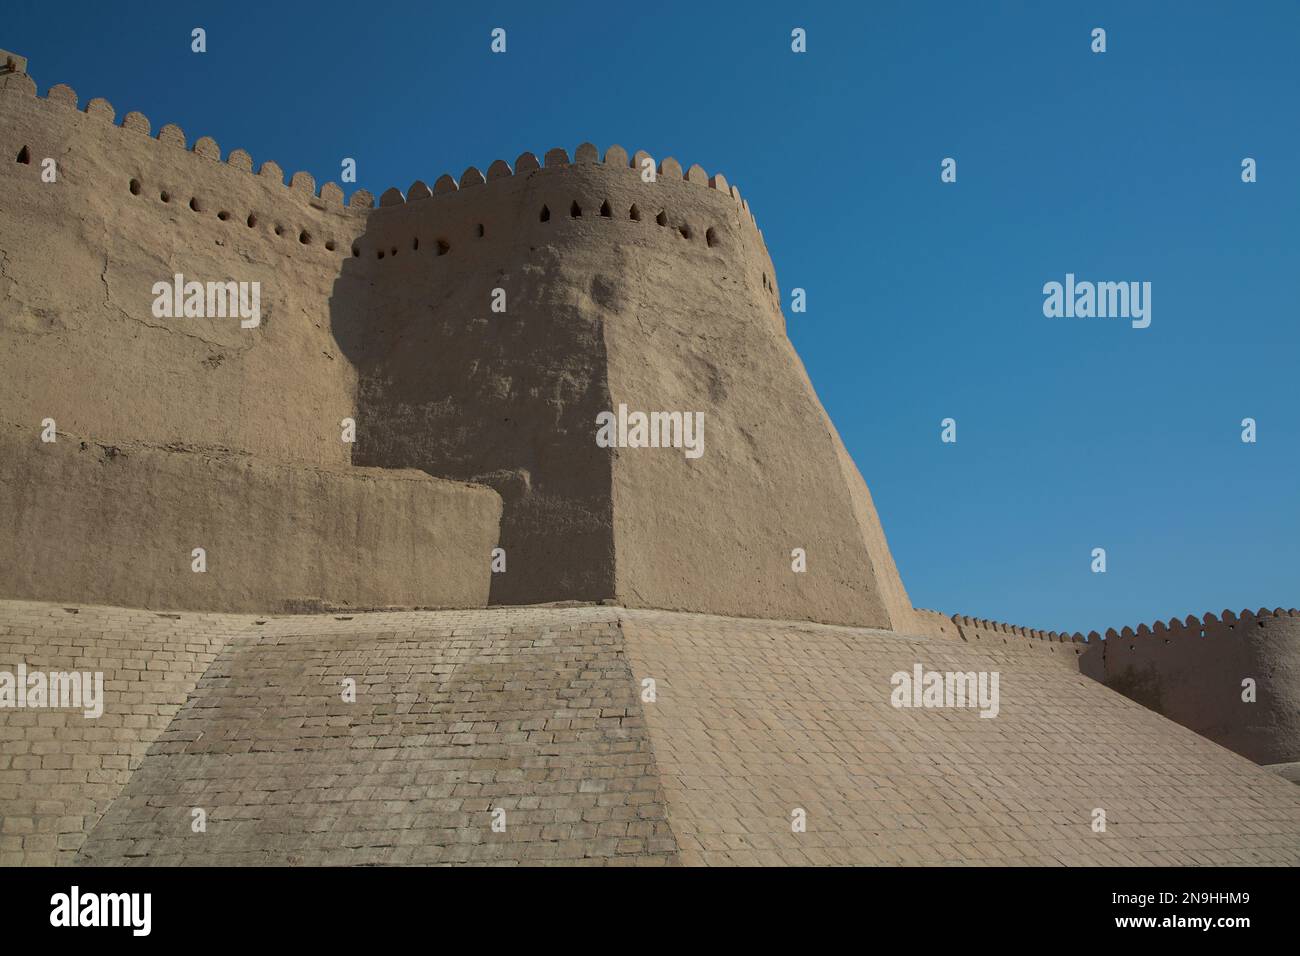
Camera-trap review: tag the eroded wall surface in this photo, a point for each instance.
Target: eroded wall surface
(81, 256)
(658, 296)
(473, 331)
(507, 398)
(173, 432)
(88, 522)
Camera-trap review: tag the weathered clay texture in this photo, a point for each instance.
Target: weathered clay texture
(1195, 671)
(82, 521)
(475, 430)
(658, 295)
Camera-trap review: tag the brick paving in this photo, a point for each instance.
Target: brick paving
(537, 711)
(754, 719)
(456, 716)
(59, 771)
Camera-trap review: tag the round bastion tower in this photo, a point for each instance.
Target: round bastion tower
(492, 321)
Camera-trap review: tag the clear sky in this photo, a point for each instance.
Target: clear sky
(924, 299)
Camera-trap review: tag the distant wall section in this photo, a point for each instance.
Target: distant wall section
(1191, 671)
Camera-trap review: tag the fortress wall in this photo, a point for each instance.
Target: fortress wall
(692, 323)
(1192, 672)
(902, 616)
(508, 398)
(667, 301)
(87, 522)
(1071, 647)
(82, 255)
(590, 257)
(1068, 650)
(196, 432)
(935, 624)
(658, 295)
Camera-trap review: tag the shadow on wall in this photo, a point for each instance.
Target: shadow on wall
(1234, 678)
(448, 386)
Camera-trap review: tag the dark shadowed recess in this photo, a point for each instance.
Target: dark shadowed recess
(453, 389)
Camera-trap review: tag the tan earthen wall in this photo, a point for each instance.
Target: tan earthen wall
(383, 314)
(1190, 671)
(1193, 671)
(84, 522)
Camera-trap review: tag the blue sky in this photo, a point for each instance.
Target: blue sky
(924, 298)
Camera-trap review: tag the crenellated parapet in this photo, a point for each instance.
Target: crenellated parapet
(586, 153)
(382, 309)
(62, 96)
(935, 624)
(569, 204)
(1232, 677)
(691, 204)
(1204, 626)
(981, 631)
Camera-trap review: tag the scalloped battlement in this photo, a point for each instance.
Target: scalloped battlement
(328, 223)
(170, 134)
(973, 628)
(1194, 671)
(585, 154)
(979, 629)
(1193, 626)
(302, 183)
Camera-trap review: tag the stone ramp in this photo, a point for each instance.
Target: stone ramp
(456, 715)
(538, 711)
(755, 718)
(60, 771)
